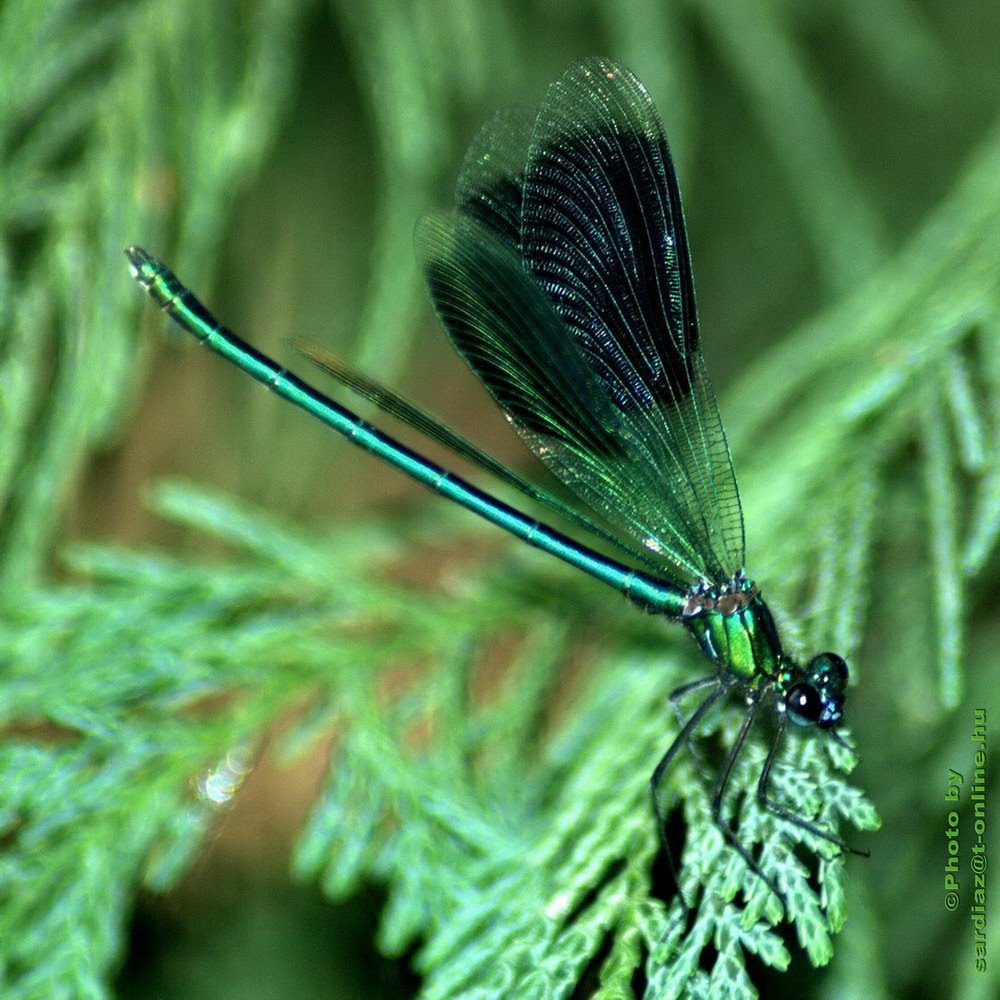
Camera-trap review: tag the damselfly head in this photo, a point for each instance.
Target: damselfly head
(816, 698)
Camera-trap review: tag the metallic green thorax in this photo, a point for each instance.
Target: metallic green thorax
(734, 627)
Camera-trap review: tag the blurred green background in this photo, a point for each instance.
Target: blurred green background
(278, 155)
(303, 227)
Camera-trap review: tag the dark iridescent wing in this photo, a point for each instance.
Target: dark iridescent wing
(491, 181)
(581, 320)
(396, 405)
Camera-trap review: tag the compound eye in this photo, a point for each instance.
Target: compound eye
(804, 704)
(828, 672)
